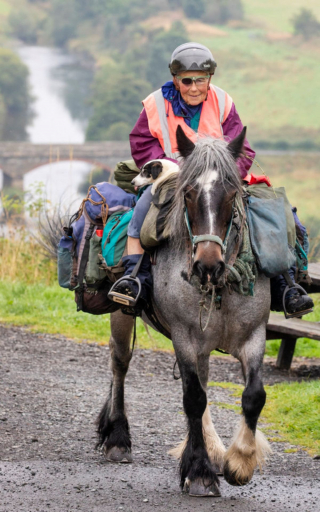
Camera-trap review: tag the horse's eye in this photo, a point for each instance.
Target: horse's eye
(187, 194)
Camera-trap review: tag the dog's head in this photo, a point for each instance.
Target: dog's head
(149, 173)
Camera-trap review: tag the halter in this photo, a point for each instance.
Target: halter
(208, 238)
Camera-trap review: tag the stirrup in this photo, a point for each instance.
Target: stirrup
(296, 313)
(121, 298)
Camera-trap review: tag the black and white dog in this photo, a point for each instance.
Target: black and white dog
(155, 172)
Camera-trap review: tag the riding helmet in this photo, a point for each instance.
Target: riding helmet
(192, 57)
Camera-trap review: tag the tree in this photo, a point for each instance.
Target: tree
(116, 98)
(306, 24)
(161, 48)
(193, 8)
(16, 97)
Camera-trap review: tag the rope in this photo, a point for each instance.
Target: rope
(103, 203)
(242, 275)
(202, 302)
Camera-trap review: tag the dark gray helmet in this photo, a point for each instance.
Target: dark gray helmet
(192, 57)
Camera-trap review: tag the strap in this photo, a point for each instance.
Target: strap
(209, 238)
(161, 108)
(83, 264)
(221, 95)
(137, 267)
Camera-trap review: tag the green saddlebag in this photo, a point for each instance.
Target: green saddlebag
(115, 237)
(272, 229)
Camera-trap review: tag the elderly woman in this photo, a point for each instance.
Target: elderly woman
(189, 100)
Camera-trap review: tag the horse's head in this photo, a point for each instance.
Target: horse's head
(208, 183)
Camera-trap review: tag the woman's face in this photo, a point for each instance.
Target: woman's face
(193, 94)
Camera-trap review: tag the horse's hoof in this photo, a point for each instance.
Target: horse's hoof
(233, 479)
(116, 454)
(197, 489)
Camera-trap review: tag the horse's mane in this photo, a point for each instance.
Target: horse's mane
(209, 154)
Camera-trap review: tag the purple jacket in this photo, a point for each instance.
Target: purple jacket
(145, 147)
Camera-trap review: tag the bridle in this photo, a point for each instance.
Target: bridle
(195, 239)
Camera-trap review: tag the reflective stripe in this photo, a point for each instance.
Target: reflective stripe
(164, 124)
(221, 95)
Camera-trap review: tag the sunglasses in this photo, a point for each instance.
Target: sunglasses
(198, 80)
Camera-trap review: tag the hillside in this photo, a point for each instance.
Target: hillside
(271, 74)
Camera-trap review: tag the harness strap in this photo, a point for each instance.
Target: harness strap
(82, 267)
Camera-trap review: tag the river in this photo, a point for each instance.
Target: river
(60, 87)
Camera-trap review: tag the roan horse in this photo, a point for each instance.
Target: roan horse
(208, 182)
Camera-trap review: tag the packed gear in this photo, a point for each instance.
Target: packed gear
(192, 57)
(81, 266)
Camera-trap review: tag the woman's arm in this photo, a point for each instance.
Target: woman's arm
(232, 126)
(145, 147)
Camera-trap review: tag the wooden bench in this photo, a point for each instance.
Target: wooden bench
(292, 329)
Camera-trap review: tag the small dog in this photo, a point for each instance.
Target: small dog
(155, 172)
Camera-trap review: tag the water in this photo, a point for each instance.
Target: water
(60, 86)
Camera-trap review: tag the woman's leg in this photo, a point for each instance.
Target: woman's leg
(128, 287)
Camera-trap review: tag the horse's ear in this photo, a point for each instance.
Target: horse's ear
(185, 145)
(236, 145)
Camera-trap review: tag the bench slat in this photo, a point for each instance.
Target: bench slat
(293, 327)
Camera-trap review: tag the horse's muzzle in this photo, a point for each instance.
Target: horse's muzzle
(207, 272)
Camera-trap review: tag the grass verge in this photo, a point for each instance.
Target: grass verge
(291, 412)
(52, 309)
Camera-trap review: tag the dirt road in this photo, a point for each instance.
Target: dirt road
(51, 392)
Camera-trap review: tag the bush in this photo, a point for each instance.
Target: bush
(95, 176)
(306, 24)
(220, 12)
(193, 8)
(23, 25)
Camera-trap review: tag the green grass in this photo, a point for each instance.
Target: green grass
(52, 309)
(276, 16)
(273, 83)
(292, 410)
(4, 8)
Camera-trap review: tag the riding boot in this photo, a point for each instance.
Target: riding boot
(295, 302)
(130, 287)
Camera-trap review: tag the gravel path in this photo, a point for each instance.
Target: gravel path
(51, 391)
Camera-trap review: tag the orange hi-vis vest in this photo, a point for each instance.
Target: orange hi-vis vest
(163, 123)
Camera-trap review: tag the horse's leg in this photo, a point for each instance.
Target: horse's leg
(113, 427)
(249, 447)
(214, 444)
(197, 474)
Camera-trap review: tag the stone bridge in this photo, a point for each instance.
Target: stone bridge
(18, 158)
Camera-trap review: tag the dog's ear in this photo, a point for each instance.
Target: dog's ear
(185, 145)
(156, 168)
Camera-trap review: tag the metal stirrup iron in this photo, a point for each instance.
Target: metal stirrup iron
(121, 298)
(290, 286)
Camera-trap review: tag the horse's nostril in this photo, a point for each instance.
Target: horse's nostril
(218, 271)
(199, 270)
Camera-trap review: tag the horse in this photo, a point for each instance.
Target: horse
(208, 183)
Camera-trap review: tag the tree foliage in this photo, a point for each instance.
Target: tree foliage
(159, 54)
(306, 24)
(116, 99)
(15, 111)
